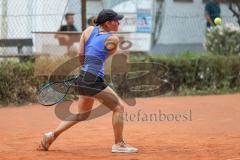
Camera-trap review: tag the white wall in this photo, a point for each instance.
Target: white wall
(25, 16)
(18, 23)
(48, 13)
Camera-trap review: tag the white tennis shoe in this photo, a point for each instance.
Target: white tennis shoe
(122, 147)
(47, 140)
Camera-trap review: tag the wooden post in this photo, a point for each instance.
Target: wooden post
(84, 15)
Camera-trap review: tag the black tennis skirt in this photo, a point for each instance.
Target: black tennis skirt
(89, 84)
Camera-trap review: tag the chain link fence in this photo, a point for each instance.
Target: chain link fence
(19, 19)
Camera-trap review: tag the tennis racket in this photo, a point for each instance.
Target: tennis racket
(54, 92)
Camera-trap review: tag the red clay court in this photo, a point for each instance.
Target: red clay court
(213, 132)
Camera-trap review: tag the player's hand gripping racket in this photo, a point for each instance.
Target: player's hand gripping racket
(54, 92)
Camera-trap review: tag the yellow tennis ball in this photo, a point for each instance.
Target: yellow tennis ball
(217, 21)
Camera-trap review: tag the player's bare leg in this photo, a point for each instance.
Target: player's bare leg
(84, 106)
(114, 102)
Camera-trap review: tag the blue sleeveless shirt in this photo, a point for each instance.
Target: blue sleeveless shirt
(95, 53)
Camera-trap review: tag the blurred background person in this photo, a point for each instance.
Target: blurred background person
(69, 18)
(68, 40)
(212, 11)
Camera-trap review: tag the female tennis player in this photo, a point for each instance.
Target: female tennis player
(96, 44)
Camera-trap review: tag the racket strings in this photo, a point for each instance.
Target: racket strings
(52, 93)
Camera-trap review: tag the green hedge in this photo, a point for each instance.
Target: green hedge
(191, 74)
(18, 83)
(187, 74)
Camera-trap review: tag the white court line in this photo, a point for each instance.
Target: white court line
(234, 158)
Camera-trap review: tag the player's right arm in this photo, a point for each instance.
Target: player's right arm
(81, 48)
(84, 37)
